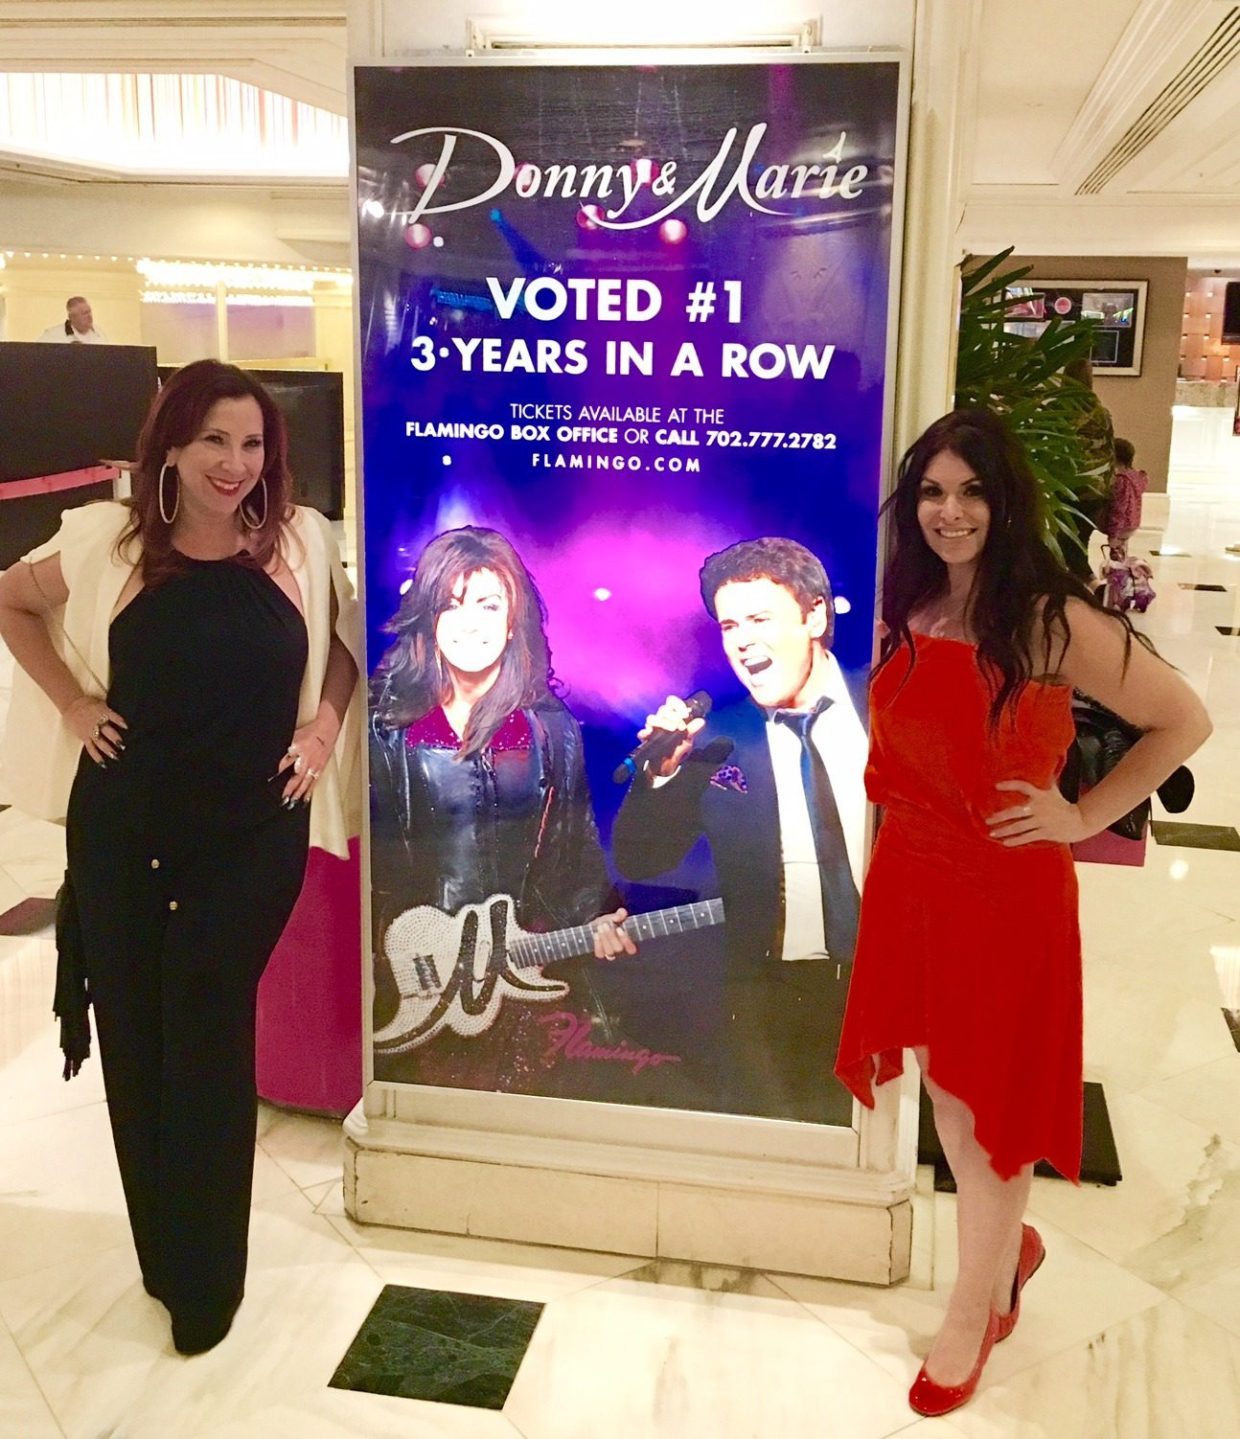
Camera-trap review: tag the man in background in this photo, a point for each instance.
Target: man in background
(77, 329)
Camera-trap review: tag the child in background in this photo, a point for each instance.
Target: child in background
(1127, 580)
(1130, 484)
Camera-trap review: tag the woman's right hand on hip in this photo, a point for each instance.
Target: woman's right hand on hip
(100, 728)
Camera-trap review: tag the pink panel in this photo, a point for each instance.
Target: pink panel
(1108, 848)
(310, 998)
(54, 484)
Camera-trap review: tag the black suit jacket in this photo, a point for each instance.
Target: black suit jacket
(656, 828)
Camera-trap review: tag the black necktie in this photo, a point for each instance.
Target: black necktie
(839, 892)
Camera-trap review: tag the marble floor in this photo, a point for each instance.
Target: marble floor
(1131, 1330)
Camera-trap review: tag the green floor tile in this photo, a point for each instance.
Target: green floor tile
(436, 1345)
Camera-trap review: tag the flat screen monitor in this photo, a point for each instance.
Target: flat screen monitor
(1231, 313)
(1105, 349)
(66, 407)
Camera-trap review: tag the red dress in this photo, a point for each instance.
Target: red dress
(965, 946)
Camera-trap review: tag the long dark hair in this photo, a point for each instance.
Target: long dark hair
(1016, 574)
(174, 420)
(411, 678)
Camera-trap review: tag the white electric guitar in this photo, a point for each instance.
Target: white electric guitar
(455, 971)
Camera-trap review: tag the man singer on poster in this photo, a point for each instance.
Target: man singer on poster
(785, 816)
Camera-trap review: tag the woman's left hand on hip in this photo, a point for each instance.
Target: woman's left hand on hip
(1041, 815)
(304, 761)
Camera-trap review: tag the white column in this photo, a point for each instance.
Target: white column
(221, 320)
(945, 55)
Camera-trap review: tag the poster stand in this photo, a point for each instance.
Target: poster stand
(827, 1213)
(661, 339)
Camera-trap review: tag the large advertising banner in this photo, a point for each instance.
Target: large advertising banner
(624, 359)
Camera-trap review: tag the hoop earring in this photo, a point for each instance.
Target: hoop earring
(163, 508)
(255, 524)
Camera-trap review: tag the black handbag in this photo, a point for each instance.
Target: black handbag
(71, 1004)
(1102, 740)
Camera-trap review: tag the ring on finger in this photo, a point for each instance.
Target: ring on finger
(312, 773)
(298, 765)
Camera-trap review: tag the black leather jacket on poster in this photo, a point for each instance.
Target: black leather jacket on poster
(514, 819)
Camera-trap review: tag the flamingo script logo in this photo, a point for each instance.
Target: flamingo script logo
(568, 1037)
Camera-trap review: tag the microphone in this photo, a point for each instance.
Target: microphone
(661, 742)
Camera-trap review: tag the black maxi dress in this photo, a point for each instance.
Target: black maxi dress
(186, 867)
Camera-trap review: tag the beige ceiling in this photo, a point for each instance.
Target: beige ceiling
(1101, 125)
(294, 47)
(1108, 126)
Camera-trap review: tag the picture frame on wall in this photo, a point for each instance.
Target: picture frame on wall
(1117, 306)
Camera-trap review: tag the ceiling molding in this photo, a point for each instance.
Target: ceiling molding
(20, 168)
(1054, 224)
(39, 14)
(1051, 196)
(297, 49)
(1159, 43)
(1185, 89)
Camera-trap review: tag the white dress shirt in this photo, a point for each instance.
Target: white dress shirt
(55, 335)
(841, 743)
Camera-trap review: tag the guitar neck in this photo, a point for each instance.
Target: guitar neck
(535, 949)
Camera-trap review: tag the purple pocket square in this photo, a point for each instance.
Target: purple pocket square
(730, 776)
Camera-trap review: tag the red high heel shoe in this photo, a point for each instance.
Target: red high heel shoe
(1032, 1253)
(931, 1399)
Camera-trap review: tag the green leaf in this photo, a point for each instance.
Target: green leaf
(1024, 379)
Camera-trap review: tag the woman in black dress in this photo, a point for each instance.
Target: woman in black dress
(189, 817)
(478, 788)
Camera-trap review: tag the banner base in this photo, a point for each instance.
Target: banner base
(392, 1177)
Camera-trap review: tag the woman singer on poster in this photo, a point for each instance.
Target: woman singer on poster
(188, 653)
(968, 949)
(478, 784)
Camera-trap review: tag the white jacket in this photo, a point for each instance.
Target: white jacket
(39, 756)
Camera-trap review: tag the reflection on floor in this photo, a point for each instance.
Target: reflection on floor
(1131, 1329)
(27, 916)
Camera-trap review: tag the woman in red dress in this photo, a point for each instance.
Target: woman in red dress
(969, 951)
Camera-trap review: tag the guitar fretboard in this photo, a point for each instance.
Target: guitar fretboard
(534, 949)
